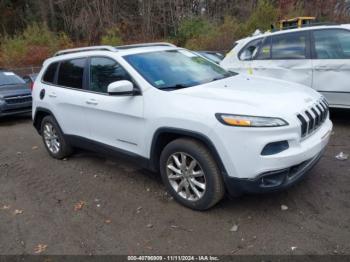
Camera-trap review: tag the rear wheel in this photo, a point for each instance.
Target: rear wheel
(53, 138)
(191, 174)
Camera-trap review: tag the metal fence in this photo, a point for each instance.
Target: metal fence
(22, 71)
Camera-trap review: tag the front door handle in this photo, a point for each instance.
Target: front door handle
(92, 102)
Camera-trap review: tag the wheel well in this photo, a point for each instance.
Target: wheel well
(39, 116)
(162, 138)
(161, 141)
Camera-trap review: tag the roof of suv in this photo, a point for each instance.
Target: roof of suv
(144, 49)
(113, 48)
(268, 33)
(120, 50)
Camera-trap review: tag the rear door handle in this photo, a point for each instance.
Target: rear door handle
(92, 102)
(53, 95)
(323, 68)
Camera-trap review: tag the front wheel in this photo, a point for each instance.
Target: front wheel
(191, 174)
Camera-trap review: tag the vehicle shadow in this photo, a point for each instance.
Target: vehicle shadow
(297, 195)
(340, 116)
(128, 165)
(15, 119)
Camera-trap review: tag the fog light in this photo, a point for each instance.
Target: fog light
(275, 148)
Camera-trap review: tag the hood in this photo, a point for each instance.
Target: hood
(14, 90)
(254, 95)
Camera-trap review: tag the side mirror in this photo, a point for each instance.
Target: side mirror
(122, 87)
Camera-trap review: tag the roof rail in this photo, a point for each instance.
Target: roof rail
(145, 45)
(305, 26)
(83, 49)
(319, 24)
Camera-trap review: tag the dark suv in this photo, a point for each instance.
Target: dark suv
(15, 96)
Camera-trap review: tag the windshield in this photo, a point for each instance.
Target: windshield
(9, 78)
(176, 69)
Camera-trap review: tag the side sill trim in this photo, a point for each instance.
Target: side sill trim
(107, 150)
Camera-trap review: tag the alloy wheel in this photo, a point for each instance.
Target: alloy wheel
(51, 138)
(186, 176)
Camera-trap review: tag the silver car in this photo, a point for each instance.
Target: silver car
(316, 56)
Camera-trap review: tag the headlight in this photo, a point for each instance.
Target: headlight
(250, 121)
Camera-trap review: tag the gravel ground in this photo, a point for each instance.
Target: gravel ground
(89, 204)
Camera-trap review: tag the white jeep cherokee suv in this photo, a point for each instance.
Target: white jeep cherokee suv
(206, 130)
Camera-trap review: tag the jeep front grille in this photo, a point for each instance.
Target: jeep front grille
(313, 117)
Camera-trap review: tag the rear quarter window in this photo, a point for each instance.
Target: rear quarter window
(49, 76)
(71, 73)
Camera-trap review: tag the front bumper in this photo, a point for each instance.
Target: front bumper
(246, 170)
(240, 149)
(272, 181)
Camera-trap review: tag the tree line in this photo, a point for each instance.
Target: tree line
(205, 24)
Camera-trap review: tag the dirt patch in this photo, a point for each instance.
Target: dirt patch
(92, 205)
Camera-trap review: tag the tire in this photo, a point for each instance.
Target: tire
(63, 147)
(184, 192)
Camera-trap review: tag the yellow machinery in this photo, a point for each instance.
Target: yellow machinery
(296, 22)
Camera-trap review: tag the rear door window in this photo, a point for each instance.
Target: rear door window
(332, 44)
(71, 73)
(290, 46)
(49, 76)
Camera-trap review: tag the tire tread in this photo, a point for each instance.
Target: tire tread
(218, 185)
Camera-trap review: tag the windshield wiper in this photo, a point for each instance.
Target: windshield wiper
(217, 78)
(174, 87)
(222, 77)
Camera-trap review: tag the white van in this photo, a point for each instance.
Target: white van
(316, 56)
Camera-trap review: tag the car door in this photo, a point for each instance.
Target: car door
(67, 98)
(114, 120)
(331, 65)
(285, 56)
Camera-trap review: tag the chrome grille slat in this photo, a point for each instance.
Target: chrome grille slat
(303, 125)
(325, 110)
(317, 117)
(312, 118)
(311, 121)
(18, 99)
(322, 113)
